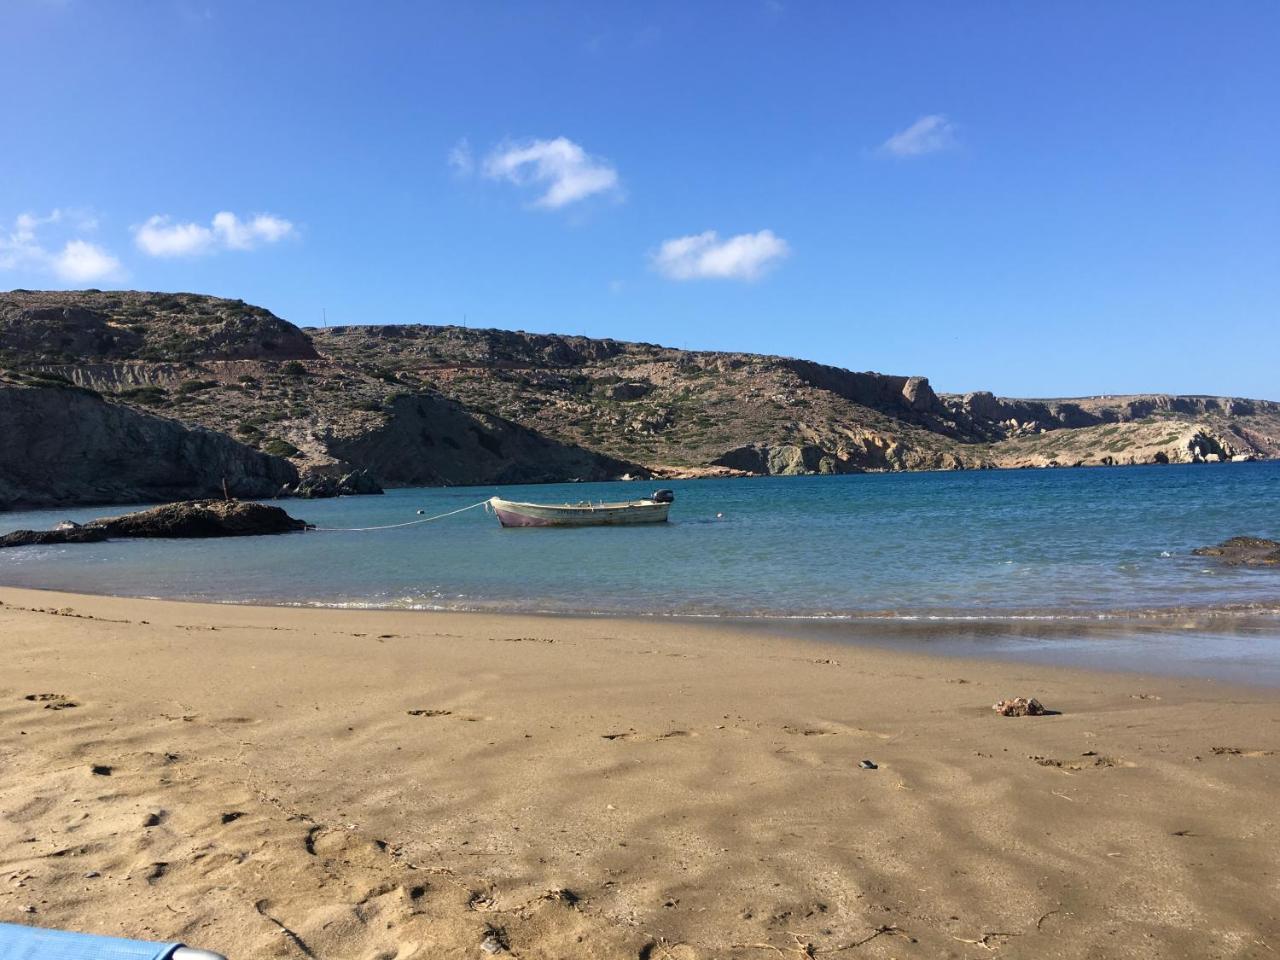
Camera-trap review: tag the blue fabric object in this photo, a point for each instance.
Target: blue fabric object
(34, 943)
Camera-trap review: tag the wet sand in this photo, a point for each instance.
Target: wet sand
(272, 782)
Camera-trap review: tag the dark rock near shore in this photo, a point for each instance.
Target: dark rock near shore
(1244, 551)
(201, 518)
(36, 538)
(190, 518)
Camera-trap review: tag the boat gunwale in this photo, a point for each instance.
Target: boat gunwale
(594, 507)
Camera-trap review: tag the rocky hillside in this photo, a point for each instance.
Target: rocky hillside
(57, 327)
(686, 413)
(446, 405)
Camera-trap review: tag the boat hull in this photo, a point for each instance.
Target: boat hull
(578, 515)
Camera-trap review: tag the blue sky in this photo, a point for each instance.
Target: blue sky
(1041, 199)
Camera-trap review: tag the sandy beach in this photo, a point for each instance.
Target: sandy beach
(275, 782)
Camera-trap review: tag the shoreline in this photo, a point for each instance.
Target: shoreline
(384, 784)
(1115, 641)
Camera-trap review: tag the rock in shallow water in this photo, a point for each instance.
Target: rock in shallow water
(1251, 551)
(33, 538)
(202, 518)
(190, 518)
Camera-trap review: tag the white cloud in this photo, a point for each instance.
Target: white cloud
(562, 169)
(160, 237)
(81, 262)
(704, 255)
(77, 262)
(929, 134)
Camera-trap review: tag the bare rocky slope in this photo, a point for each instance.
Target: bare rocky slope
(445, 405)
(62, 445)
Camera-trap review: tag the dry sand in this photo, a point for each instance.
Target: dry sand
(304, 783)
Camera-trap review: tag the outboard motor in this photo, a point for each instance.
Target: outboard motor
(663, 496)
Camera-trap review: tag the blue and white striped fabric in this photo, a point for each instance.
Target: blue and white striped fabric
(33, 943)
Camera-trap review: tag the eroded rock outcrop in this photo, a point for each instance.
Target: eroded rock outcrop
(316, 485)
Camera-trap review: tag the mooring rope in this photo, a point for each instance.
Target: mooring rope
(392, 526)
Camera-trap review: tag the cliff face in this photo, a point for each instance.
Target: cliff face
(419, 404)
(61, 446)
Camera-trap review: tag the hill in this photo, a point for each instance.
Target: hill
(418, 404)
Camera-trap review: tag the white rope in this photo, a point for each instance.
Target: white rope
(392, 526)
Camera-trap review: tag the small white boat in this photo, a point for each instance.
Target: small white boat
(651, 510)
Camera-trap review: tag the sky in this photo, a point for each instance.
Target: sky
(1040, 199)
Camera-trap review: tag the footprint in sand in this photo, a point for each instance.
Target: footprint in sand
(52, 701)
(809, 731)
(1090, 760)
(632, 735)
(826, 728)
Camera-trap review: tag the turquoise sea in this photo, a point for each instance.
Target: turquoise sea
(1036, 561)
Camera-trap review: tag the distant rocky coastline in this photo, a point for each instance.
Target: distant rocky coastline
(125, 396)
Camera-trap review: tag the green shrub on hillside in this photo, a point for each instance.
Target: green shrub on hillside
(279, 448)
(195, 386)
(146, 395)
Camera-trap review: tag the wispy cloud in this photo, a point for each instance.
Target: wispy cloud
(562, 171)
(460, 158)
(704, 255)
(240, 234)
(929, 134)
(77, 261)
(161, 237)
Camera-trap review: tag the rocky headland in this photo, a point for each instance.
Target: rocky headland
(127, 396)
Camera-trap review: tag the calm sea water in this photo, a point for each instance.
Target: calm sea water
(1053, 546)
